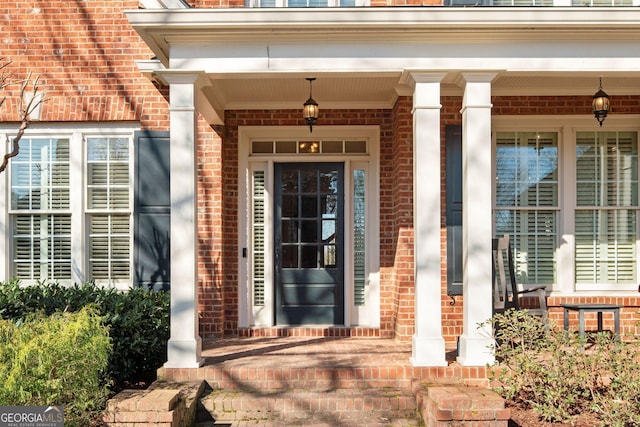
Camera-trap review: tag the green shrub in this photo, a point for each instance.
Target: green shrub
(560, 375)
(138, 319)
(56, 360)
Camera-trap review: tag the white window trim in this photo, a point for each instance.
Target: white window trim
(77, 173)
(367, 315)
(567, 127)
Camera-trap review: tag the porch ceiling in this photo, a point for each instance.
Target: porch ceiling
(259, 58)
(373, 91)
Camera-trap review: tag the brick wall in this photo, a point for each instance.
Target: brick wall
(84, 54)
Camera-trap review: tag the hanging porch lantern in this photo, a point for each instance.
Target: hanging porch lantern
(600, 104)
(310, 110)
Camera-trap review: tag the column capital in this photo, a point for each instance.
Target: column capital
(199, 82)
(414, 77)
(478, 77)
(170, 77)
(426, 89)
(477, 92)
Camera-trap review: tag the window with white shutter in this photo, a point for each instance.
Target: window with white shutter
(359, 236)
(606, 207)
(527, 201)
(40, 213)
(109, 209)
(258, 232)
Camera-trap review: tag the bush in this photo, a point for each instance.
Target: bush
(560, 376)
(56, 360)
(138, 319)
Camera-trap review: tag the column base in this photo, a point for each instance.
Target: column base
(184, 353)
(475, 351)
(428, 351)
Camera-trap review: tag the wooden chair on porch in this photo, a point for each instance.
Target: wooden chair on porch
(506, 292)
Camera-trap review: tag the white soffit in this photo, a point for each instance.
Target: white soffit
(259, 58)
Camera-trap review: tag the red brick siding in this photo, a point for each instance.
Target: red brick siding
(213, 192)
(401, 219)
(84, 54)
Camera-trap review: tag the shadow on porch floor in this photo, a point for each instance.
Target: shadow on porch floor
(273, 363)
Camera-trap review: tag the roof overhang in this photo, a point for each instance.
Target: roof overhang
(259, 58)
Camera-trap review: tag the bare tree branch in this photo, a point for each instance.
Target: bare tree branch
(4, 79)
(29, 102)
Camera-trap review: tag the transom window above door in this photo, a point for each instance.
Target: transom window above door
(309, 147)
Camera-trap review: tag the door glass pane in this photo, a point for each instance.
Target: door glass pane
(289, 181)
(289, 256)
(309, 232)
(309, 180)
(329, 182)
(309, 206)
(290, 206)
(329, 256)
(289, 231)
(309, 257)
(329, 205)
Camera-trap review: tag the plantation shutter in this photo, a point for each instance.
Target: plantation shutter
(607, 200)
(258, 233)
(359, 237)
(152, 210)
(527, 201)
(40, 216)
(109, 209)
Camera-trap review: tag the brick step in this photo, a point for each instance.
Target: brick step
(300, 407)
(270, 379)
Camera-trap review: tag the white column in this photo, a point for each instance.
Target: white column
(185, 345)
(428, 344)
(477, 221)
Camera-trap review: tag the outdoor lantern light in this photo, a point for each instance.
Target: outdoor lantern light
(600, 104)
(310, 111)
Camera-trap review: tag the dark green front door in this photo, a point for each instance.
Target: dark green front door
(309, 248)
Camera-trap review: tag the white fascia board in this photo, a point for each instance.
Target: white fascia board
(263, 31)
(378, 18)
(332, 57)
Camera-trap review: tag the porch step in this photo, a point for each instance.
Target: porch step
(302, 407)
(264, 379)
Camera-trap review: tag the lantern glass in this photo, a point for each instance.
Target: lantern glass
(310, 110)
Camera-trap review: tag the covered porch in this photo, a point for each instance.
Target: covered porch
(217, 62)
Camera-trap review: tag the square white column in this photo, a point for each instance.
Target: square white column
(185, 345)
(428, 347)
(477, 220)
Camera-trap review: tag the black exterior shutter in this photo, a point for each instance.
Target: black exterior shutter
(453, 141)
(152, 210)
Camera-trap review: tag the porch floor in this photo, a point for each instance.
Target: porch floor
(273, 363)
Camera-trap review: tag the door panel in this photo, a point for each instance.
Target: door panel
(309, 223)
